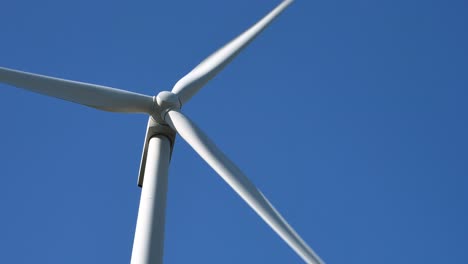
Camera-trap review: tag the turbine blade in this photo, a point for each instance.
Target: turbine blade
(191, 83)
(198, 140)
(100, 97)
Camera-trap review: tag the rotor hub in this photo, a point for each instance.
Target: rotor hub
(165, 101)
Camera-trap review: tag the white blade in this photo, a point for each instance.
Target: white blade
(239, 182)
(189, 85)
(100, 97)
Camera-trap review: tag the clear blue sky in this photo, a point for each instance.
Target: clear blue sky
(351, 116)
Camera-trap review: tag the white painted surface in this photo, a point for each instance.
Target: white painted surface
(148, 244)
(191, 83)
(92, 95)
(233, 176)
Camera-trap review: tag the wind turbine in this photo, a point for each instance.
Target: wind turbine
(165, 121)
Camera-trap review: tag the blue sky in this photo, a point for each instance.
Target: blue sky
(350, 116)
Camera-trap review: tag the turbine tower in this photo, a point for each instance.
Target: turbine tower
(165, 121)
